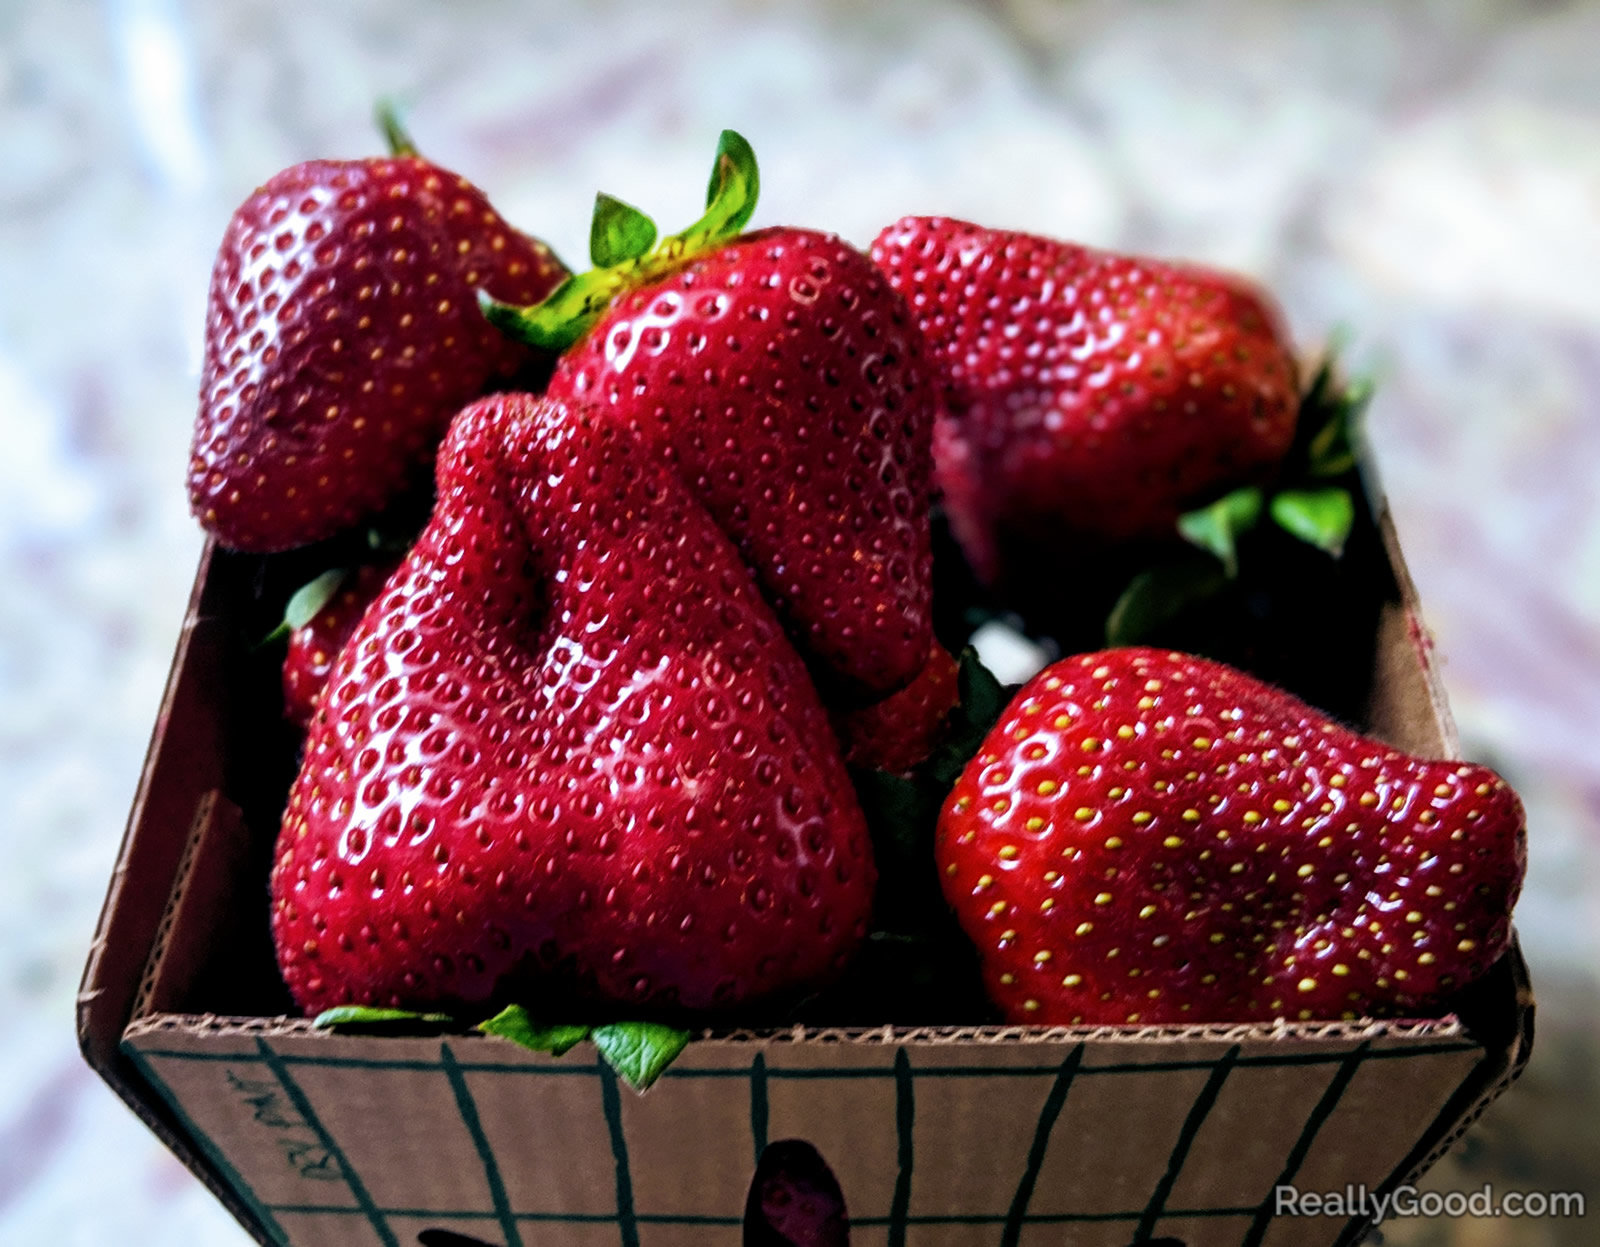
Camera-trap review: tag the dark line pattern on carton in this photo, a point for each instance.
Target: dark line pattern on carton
(474, 1125)
(684, 1218)
(611, 1101)
(758, 1075)
(1186, 1136)
(758, 1104)
(208, 1145)
(905, 1114)
(297, 1097)
(1302, 1148)
(1041, 1143)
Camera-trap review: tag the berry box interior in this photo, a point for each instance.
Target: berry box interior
(940, 1135)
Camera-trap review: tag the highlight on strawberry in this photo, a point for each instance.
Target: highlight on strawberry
(1151, 837)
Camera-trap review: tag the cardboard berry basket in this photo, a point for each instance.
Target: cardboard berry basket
(940, 1137)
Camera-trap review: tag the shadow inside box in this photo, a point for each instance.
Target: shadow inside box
(1292, 615)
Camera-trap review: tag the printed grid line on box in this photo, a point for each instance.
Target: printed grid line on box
(300, 1167)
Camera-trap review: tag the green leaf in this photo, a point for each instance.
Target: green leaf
(387, 113)
(309, 599)
(900, 812)
(730, 200)
(1319, 517)
(305, 604)
(513, 1023)
(1331, 410)
(1217, 527)
(1332, 449)
(368, 1016)
(639, 1051)
(982, 699)
(1154, 598)
(735, 183)
(569, 313)
(618, 233)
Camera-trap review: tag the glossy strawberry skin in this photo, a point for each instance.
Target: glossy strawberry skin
(314, 645)
(342, 334)
(782, 378)
(1151, 837)
(569, 746)
(900, 731)
(1089, 398)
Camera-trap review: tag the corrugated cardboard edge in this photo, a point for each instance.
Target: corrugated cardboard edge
(126, 932)
(1416, 1030)
(1503, 1063)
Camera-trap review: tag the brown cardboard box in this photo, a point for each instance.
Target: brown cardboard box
(949, 1137)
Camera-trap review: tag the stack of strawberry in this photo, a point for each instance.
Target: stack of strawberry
(603, 738)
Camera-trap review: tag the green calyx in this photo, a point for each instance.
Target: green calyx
(1217, 527)
(1308, 503)
(626, 253)
(1311, 500)
(639, 1052)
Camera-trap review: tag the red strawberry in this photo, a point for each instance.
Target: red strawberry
(783, 379)
(1151, 837)
(1090, 398)
(569, 747)
(897, 733)
(314, 644)
(795, 1200)
(342, 335)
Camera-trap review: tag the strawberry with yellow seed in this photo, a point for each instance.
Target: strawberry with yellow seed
(1149, 837)
(342, 334)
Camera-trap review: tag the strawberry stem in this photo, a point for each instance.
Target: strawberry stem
(618, 234)
(387, 113)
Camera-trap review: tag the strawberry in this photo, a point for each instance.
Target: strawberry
(341, 337)
(568, 750)
(1151, 837)
(782, 378)
(795, 1200)
(1088, 398)
(898, 732)
(315, 643)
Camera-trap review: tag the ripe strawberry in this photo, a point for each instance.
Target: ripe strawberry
(314, 644)
(795, 1200)
(898, 732)
(1089, 398)
(342, 335)
(783, 379)
(568, 749)
(1151, 837)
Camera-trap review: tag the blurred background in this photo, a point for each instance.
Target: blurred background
(1427, 174)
